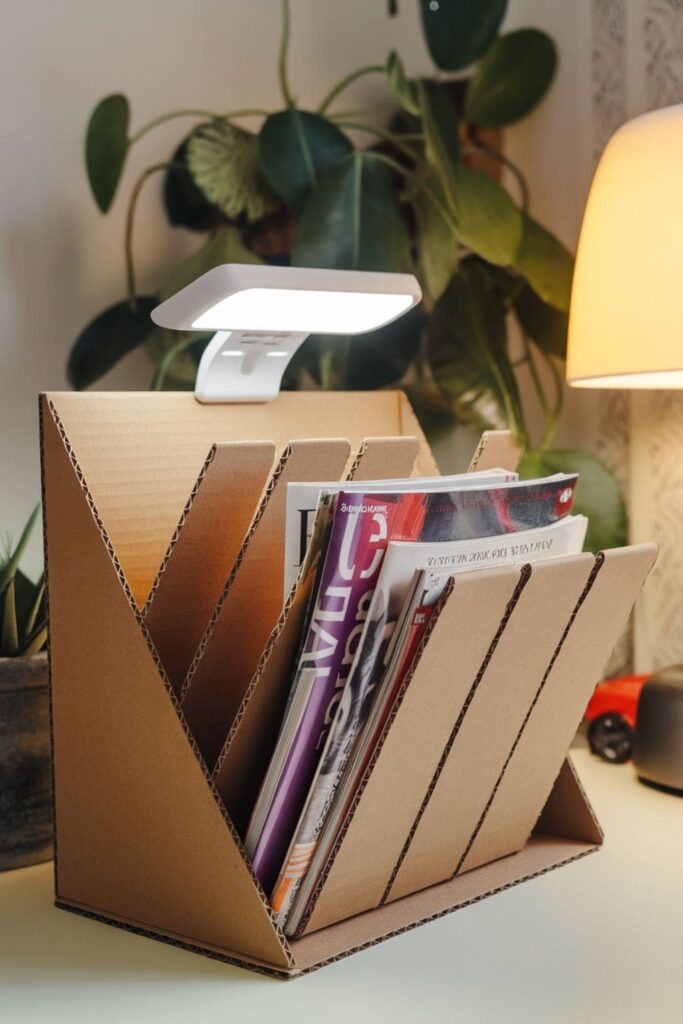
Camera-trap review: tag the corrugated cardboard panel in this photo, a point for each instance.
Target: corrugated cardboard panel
(462, 639)
(481, 741)
(523, 788)
(140, 832)
(251, 602)
(541, 854)
(242, 763)
(244, 758)
(567, 811)
(141, 452)
(496, 450)
(203, 550)
(385, 458)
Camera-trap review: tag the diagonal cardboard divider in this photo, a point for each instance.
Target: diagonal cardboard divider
(203, 550)
(141, 834)
(481, 740)
(497, 449)
(229, 653)
(535, 760)
(242, 763)
(384, 458)
(409, 752)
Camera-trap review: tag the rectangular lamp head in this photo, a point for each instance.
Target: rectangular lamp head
(262, 314)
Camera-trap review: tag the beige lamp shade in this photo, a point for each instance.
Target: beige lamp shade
(626, 314)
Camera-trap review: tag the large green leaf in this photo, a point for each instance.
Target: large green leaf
(185, 205)
(107, 339)
(406, 91)
(512, 78)
(458, 32)
(223, 162)
(441, 131)
(545, 325)
(597, 494)
(467, 350)
(295, 148)
(353, 220)
(488, 221)
(436, 243)
(546, 263)
(106, 147)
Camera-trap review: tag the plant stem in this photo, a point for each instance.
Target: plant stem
(420, 185)
(382, 133)
(555, 412)
(369, 69)
(168, 359)
(282, 58)
(480, 147)
(128, 242)
(204, 114)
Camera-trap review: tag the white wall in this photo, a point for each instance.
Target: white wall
(61, 262)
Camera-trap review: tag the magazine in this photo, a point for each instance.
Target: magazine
(413, 578)
(303, 498)
(363, 524)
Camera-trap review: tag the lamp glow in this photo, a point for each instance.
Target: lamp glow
(625, 322)
(265, 313)
(270, 309)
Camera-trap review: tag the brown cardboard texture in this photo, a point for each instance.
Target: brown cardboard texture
(143, 838)
(203, 550)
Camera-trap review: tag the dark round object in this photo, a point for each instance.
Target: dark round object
(611, 737)
(25, 775)
(658, 747)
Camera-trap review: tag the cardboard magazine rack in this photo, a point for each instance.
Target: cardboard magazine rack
(171, 645)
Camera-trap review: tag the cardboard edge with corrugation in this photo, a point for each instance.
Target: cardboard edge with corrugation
(49, 415)
(496, 449)
(229, 506)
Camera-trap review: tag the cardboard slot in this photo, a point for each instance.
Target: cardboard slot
(141, 452)
(228, 654)
(244, 758)
(468, 627)
(140, 832)
(523, 788)
(203, 549)
(482, 739)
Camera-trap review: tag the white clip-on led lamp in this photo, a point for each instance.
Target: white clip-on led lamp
(262, 314)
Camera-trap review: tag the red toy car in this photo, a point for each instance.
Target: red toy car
(611, 717)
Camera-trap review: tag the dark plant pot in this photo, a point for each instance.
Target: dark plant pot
(25, 774)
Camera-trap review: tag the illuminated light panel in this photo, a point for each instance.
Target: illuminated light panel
(668, 379)
(302, 310)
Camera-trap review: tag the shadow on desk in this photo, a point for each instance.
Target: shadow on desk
(38, 941)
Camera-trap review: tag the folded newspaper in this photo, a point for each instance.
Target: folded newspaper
(364, 522)
(414, 577)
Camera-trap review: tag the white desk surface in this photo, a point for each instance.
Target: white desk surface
(598, 940)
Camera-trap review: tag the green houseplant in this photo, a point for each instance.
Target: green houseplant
(25, 787)
(423, 195)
